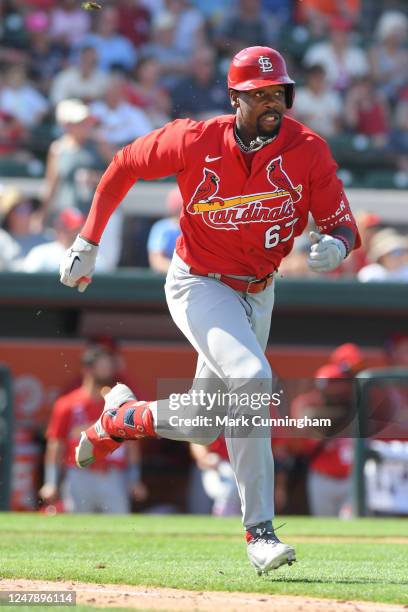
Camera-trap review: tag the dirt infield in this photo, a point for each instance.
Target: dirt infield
(152, 598)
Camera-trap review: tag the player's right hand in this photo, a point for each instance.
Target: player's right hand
(48, 492)
(78, 264)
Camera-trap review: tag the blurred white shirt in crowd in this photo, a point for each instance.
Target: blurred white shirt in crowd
(25, 104)
(9, 250)
(338, 72)
(70, 83)
(122, 124)
(319, 112)
(377, 272)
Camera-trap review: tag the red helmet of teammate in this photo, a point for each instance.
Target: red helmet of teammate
(255, 67)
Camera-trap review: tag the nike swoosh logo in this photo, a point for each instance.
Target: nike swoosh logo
(73, 261)
(211, 159)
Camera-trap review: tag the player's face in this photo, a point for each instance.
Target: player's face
(259, 111)
(104, 370)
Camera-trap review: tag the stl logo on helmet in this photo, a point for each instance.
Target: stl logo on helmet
(265, 64)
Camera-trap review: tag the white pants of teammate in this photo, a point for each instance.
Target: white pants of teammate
(220, 485)
(327, 496)
(90, 491)
(229, 331)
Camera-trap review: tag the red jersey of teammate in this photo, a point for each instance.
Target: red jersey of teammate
(335, 458)
(73, 413)
(219, 447)
(235, 220)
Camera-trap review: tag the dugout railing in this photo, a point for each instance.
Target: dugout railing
(366, 381)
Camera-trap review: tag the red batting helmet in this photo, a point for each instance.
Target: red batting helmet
(255, 67)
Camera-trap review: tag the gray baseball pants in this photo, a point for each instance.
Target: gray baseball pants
(229, 331)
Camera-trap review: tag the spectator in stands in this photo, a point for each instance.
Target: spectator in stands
(164, 233)
(214, 10)
(113, 49)
(173, 63)
(146, 92)
(366, 112)
(75, 164)
(202, 94)
(318, 14)
(46, 57)
(69, 23)
(12, 33)
(108, 483)
(85, 81)
(316, 105)
(389, 254)
(20, 99)
(329, 458)
(75, 160)
(19, 220)
(189, 31)
(245, 27)
(217, 477)
(389, 56)
(134, 21)
(119, 121)
(341, 59)
(9, 251)
(281, 10)
(12, 136)
(46, 257)
(369, 224)
(398, 143)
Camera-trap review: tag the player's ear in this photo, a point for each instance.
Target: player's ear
(234, 98)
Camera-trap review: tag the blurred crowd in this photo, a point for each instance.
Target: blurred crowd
(77, 85)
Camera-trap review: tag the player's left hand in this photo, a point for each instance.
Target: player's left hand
(326, 252)
(78, 264)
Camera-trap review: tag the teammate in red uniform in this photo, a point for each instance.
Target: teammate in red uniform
(248, 181)
(112, 479)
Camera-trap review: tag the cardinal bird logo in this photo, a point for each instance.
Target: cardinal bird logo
(206, 189)
(227, 213)
(280, 180)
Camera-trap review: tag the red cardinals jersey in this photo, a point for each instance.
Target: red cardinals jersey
(72, 413)
(238, 218)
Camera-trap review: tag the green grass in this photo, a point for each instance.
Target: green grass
(204, 553)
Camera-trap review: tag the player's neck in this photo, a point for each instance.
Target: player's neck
(245, 135)
(250, 144)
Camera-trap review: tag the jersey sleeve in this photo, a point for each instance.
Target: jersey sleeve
(59, 421)
(328, 202)
(156, 155)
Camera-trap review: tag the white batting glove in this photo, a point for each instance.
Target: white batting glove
(78, 264)
(326, 252)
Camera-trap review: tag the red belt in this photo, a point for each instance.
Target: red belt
(254, 286)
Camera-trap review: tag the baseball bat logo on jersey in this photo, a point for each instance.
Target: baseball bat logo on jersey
(227, 213)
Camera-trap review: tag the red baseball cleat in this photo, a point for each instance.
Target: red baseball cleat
(123, 418)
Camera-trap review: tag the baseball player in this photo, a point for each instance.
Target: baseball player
(107, 486)
(249, 181)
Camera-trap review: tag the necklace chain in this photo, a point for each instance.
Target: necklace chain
(254, 145)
